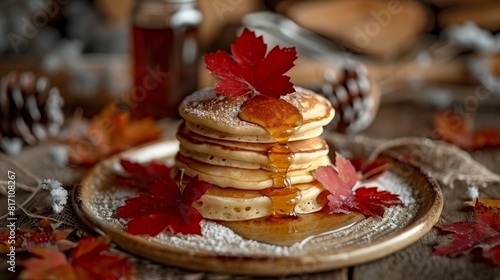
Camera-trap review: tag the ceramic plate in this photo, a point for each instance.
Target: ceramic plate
(222, 250)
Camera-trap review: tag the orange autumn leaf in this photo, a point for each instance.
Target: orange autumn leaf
(47, 263)
(91, 262)
(111, 132)
(454, 128)
(44, 236)
(489, 202)
(88, 260)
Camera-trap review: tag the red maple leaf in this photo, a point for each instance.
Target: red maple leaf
(88, 260)
(454, 128)
(164, 207)
(343, 199)
(140, 176)
(483, 234)
(250, 70)
(369, 170)
(44, 235)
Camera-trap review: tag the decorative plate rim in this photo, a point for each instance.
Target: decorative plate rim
(257, 266)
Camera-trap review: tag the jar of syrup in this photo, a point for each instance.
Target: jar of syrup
(165, 55)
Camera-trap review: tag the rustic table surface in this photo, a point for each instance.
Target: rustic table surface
(396, 119)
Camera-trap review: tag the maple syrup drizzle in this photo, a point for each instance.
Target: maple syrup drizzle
(281, 120)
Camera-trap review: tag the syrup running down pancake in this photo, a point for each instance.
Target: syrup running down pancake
(258, 152)
(217, 112)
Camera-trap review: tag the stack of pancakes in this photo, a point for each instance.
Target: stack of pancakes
(222, 149)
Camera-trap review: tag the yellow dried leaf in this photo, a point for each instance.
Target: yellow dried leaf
(490, 202)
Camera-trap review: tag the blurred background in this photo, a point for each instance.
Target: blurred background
(433, 49)
(391, 68)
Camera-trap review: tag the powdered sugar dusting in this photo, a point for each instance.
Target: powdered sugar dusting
(215, 107)
(105, 203)
(222, 241)
(306, 101)
(218, 108)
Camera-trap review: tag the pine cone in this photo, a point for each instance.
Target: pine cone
(353, 96)
(30, 109)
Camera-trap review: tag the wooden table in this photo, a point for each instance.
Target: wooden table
(414, 262)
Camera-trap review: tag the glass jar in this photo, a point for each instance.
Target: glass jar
(165, 55)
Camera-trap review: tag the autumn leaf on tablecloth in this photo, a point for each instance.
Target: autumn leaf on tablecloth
(454, 128)
(164, 207)
(47, 263)
(367, 171)
(249, 70)
(481, 235)
(44, 236)
(140, 176)
(108, 133)
(87, 261)
(488, 202)
(342, 198)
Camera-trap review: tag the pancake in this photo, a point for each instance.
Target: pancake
(240, 178)
(220, 112)
(193, 144)
(224, 161)
(229, 204)
(224, 208)
(212, 133)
